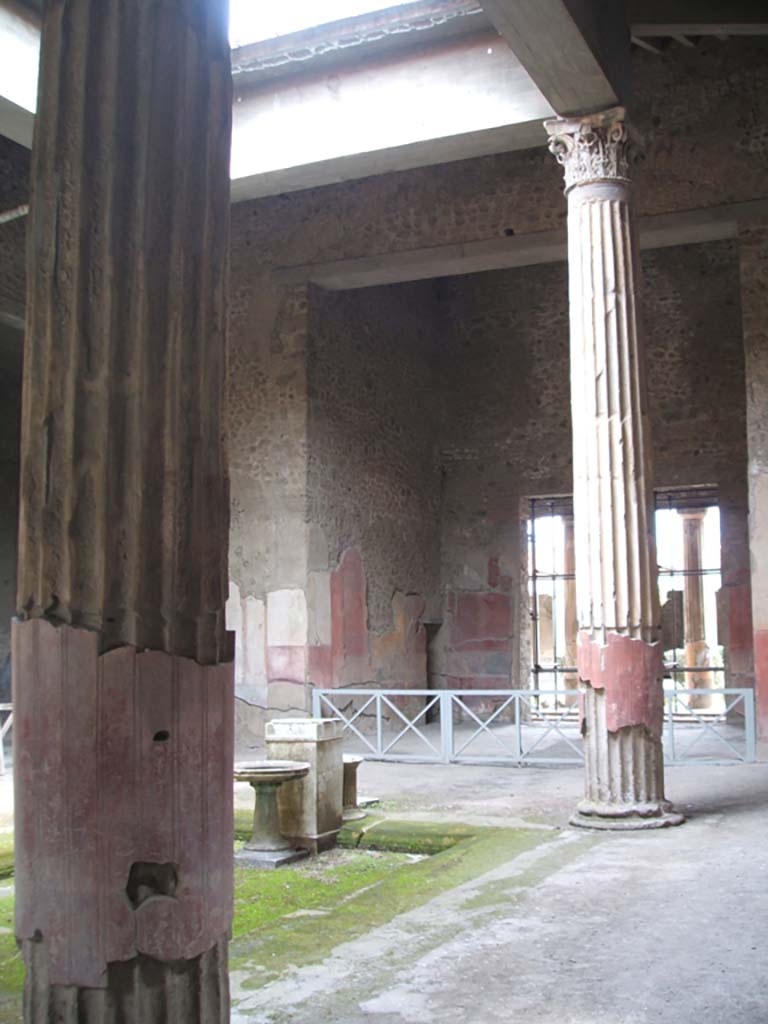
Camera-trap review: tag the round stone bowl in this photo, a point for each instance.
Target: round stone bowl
(274, 772)
(266, 777)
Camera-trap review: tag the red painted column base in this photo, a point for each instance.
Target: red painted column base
(124, 786)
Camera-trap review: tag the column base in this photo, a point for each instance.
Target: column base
(142, 990)
(628, 822)
(353, 814)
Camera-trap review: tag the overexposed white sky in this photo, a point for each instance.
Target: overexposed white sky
(669, 546)
(251, 21)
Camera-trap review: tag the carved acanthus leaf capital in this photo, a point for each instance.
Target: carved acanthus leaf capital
(598, 147)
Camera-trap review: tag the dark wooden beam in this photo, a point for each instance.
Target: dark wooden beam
(698, 17)
(576, 51)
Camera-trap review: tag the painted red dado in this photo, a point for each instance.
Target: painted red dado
(482, 621)
(630, 671)
(496, 579)
(144, 742)
(494, 572)
(740, 637)
(320, 666)
(349, 611)
(761, 681)
(399, 657)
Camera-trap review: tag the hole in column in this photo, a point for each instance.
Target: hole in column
(147, 880)
(162, 736)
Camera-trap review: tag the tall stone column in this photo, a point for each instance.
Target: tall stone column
(571, 612)
(122, 668)
(620, 657)
(694, 632)
(753, 239)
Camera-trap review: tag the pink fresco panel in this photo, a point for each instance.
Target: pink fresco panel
(320, 667)
(349, 610)
(287, 664)
(482, 621)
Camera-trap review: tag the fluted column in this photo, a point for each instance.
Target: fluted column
(619, 657)
(571, 613)
(695, 639)
(123, 683)
(753, 258)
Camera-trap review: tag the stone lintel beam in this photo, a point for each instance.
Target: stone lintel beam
(576, 51)
(657, 18)
(660, 231)
(620, 662)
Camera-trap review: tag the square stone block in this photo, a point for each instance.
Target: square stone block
(310, 808)
(268, 859)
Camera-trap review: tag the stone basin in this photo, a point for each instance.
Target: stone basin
(267, 847)
(270, 772)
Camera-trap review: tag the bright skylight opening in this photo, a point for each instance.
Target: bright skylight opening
(251, 21)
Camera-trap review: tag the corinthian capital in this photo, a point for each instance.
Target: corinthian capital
(598, 147)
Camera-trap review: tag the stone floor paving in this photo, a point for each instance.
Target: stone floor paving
(583, 929)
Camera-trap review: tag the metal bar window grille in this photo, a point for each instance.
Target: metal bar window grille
(551, 592)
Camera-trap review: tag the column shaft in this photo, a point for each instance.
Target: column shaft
(122, 666)
(754, 304)
(696, 650)
(620, 658)
(571, 607)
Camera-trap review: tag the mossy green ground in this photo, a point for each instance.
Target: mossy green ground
(297, 915)
(465, 853)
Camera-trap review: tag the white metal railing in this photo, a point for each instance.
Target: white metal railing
(698, 734)
(4, 729)
(506, 726)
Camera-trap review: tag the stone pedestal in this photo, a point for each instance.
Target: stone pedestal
(268, 847)
(351, 810)
(620, 658)
(310, 809)
(122, 665)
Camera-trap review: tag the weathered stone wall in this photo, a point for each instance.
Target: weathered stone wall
(508, 433)
(14, 191)
(267, 414)
(373, 485)
(702, 112)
